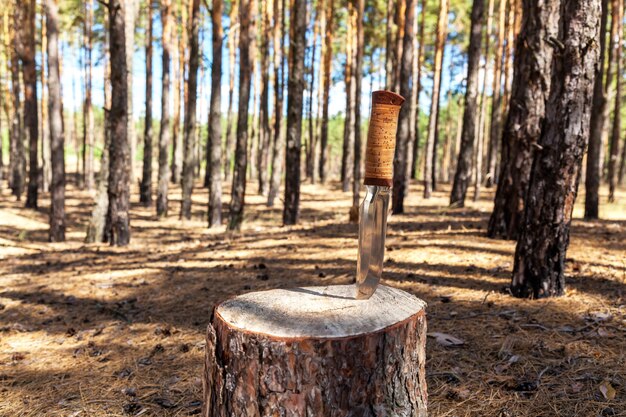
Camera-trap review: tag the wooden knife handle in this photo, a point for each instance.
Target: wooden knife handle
(381, 138)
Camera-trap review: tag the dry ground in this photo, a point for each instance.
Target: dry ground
(90, 330)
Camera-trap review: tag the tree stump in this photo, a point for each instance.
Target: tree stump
(316, 351)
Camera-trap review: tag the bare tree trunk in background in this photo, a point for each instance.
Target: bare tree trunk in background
(399, 36)
(508, 55)
(145, 188)
(46, 171)
(531, 85)
(189, 154)
(311, 137)
(320, 90)
(326, 69)
(238, 191)
(119, 153)
(232, 51)
(264, 111)
(471, 111)
(418, 82)
(539, 269)
(26, 50)
(130, 15)
(295, 90)
(359, 6)
(495, 130)
(88, 124)
(608, 89)
(179, 98)
(214, 142)
(429, 165)
(389, 46)
(17, 157)
(402, 137)
(164, 132)
(618, 15)
(347, 156)
(279, 82)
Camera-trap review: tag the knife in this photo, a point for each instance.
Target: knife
(379, 152)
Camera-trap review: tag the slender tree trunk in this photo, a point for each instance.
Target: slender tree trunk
(88, 125)
(189, 161)
(57, 196)
(119, 153)
(326, 65)
(130, 15)
(357, 77)
(264, 115)
(279, 76)
(311, 144)
(389, 46)
(46, 171)
(403, 137)
(539, 269)
(430, 152)
(179, 99)
(238, 191)
(531, 85)
(26, 51)
(295, 92)
(232, 51)
(17, 162)
(418, 82)
(145, 188)
(214, 142)
(164, 132)
(618, 14)
(347, 156)
(471, 111)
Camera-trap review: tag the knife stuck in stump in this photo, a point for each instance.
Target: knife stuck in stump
(379, 154)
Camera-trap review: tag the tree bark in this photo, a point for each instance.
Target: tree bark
(311, 138)
(165, 132)
(57, 191)
(471, 110)
(179, 98)
(531, 85)
(130, 15)
(44, 125)
(295, 90)
(418, 81)
(539, 269)
(618, 14)
(26, 49)
(279, 77)
(442, 25)
(402, 136)
(189, 161)
(238, 190)
(232, 51)
(17, 161)
(347, 156)
(119, 153)
(264, 115)
(326, 69)
(145, 188)
(291, 363)
(214, 142)
(357, 79)
(88, 123)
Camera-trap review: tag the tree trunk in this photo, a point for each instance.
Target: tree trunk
(311, 144)
(179, 99)
(418, 82)
(539, 269)
(389, 46)
(618, 13)
(130, 15)
(264, 116)
(347, 155)
(531, 85)
(232, 50)
(291, 363)
(326, 69)
(119, 153)
(17, 161)
(145, 188)
(88, 124)
(189, 161)
(295, 90)
(26, 50)
(279, 77)
(471, 110)
(238, 191)
(357, 78)
(214, 142)
(44, 125)
(430, 152)
(57, 195)
(164, 132)
(403, 137)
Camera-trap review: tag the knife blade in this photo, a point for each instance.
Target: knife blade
(379, 152)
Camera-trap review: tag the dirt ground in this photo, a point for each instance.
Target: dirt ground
(90, 330)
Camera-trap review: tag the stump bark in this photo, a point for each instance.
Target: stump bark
(316, 351)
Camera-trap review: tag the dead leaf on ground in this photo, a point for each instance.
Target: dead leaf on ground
(607, 390)
(446, 339)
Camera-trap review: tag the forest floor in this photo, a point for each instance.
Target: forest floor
(93, 330)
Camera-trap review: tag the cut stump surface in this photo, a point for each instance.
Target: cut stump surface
(317, 351)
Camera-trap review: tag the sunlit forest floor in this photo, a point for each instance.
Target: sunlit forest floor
(90, 330)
